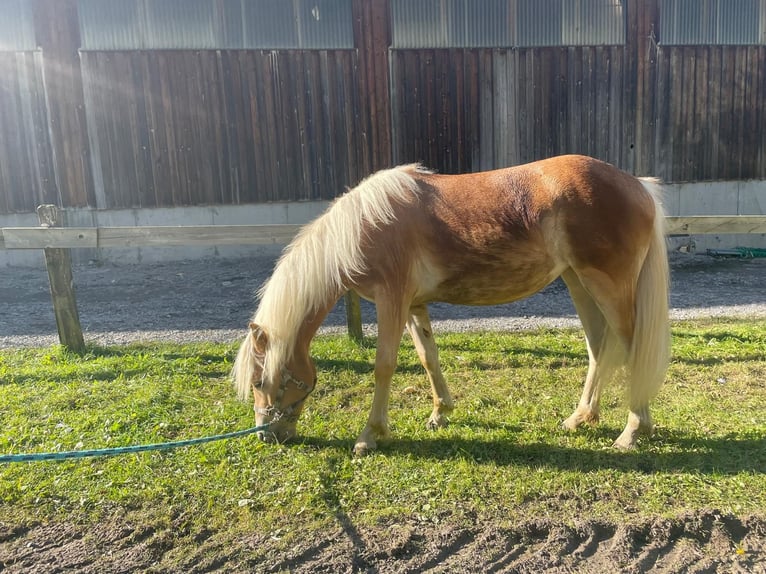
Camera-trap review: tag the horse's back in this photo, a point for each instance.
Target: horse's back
(497, 236)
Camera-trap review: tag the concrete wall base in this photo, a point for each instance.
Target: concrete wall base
(681, 199)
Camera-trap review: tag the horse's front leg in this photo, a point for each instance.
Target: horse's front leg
(390, 328)
(419, 327)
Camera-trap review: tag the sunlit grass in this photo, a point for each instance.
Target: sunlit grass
(503, 455)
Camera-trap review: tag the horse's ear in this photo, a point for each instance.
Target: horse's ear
(260, 338)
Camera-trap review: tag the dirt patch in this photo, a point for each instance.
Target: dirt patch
(699, 542)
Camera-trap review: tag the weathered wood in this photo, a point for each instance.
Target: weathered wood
(198, 235)
(59, 265)
(354, 316)
(715, 224)
(158, 236)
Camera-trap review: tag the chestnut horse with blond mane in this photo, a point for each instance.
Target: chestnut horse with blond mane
(406, 236)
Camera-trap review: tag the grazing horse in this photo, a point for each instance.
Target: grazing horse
(406, 236)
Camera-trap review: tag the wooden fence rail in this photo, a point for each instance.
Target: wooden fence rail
(56, 241)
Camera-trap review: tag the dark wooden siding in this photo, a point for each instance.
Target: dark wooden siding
(27, 175)
(710, 113)
(170, 128)
(207, 127)
(465, 110)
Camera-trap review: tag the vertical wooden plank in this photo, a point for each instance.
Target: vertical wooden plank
(58, 33)
(740, 110)
(523, 83)
(372, 39)
(527, 144)
(602, 102)
(59, 265)
(688, 148)
(726, 134)
(514, 144)
(761, 111)
(574, 75)
(750, 119)
(616, 113)
(631, 88)
(675, 149)
(501, 125)
(473, 112)
(662, 122)
(163, 150)
(302, 127)
(486, 118)
(543, 92)
(714, 106)
(588, 102)
(562, 96)
(700, 138)
(327, 126)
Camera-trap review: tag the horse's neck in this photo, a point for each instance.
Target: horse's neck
(310, 325)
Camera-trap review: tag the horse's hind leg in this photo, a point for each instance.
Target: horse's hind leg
(597, 336)
(419, 327)
(616, 302)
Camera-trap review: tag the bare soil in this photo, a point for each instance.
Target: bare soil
(211, 301)
(699, 542)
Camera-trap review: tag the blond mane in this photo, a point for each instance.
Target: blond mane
(314, 266)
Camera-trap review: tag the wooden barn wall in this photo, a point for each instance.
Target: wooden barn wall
(710, 113)
(27, 175)
(172, 128)
(468, 110)
(223, 127)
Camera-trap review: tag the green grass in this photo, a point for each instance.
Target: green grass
(503, 456)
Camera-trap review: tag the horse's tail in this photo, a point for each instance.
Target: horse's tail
(649, 353)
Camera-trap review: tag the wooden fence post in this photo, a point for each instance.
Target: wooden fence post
(59, 265)
(354, 316)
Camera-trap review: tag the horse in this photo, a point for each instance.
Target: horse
(407, 236)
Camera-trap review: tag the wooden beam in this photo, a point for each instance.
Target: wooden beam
(168, 236)
(59, 265)
(157, 236)
(716, 224)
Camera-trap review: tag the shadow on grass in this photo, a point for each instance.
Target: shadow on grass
(666, 452)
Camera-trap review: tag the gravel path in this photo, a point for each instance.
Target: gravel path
(211, 300)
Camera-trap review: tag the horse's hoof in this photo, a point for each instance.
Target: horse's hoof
(362, 449)
(624, 445)
(570, 425)
(436, 423)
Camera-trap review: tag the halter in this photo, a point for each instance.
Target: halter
(275, 411)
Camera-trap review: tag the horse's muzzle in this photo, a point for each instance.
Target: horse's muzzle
(277, 435)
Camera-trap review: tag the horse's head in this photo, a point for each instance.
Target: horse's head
(279, 386)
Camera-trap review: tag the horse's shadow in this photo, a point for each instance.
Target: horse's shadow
(726, 455)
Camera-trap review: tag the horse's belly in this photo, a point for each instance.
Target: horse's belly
(481, 287)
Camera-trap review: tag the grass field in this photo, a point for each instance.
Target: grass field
(503, 455)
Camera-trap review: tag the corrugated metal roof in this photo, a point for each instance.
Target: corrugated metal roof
(325, 24)
(184, 24)
(500, 23)
(451, 23)
(17, 31)
(539, 22)
(110, 25)
(269, 24)
(204, 24)
(691, 22)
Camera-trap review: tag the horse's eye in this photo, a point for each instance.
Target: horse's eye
(258, 385)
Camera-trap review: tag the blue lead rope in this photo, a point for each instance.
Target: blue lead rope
(65, 455)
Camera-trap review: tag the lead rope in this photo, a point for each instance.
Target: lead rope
(65, 455)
